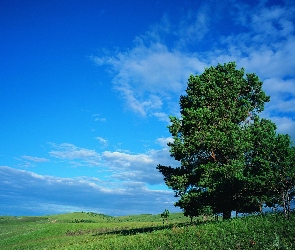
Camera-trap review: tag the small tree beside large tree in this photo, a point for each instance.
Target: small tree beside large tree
(214, 141)
(283, 167)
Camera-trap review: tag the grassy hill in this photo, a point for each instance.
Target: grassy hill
(97, 231)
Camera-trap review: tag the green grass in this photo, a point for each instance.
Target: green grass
(97, 231)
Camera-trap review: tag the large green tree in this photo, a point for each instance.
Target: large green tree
(212, 136)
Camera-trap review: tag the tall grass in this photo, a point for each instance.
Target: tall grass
(92, 231)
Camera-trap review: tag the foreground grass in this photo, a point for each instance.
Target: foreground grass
(95, 231)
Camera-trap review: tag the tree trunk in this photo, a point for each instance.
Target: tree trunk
(288, 205)
(260, 207)
(284, 203)
(226, 215)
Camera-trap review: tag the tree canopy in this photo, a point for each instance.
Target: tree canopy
(224, 149)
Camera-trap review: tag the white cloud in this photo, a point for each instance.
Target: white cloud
(194, 27)
(27, 161)
(126, 159)
(138, 167)
(121, 165)
(103, 141)
(34, 159)
(285, 125)
(98, 118)
(279, 86)
(164, 141)
(281, 109)
(162, 116)
(146, 76)
(69, 152)
(272, 21)
(152, 74)
(21, 195)
(268, 50)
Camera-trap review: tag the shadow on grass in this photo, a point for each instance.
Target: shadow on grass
(133, 231)
(124, 230)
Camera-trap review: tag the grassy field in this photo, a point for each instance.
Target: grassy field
(96, 231)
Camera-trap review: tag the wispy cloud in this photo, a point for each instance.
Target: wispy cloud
(97, 117)
(147, 76)
(68, 151)
(152, 74)
(102, 141)
(164, 141)
(26, 161)
(34, 159)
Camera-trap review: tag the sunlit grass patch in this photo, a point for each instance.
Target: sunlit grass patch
(270, 231)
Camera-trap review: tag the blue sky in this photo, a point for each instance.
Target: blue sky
(87, 87)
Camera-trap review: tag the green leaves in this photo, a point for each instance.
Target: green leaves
(230, 159)
(213, 138)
